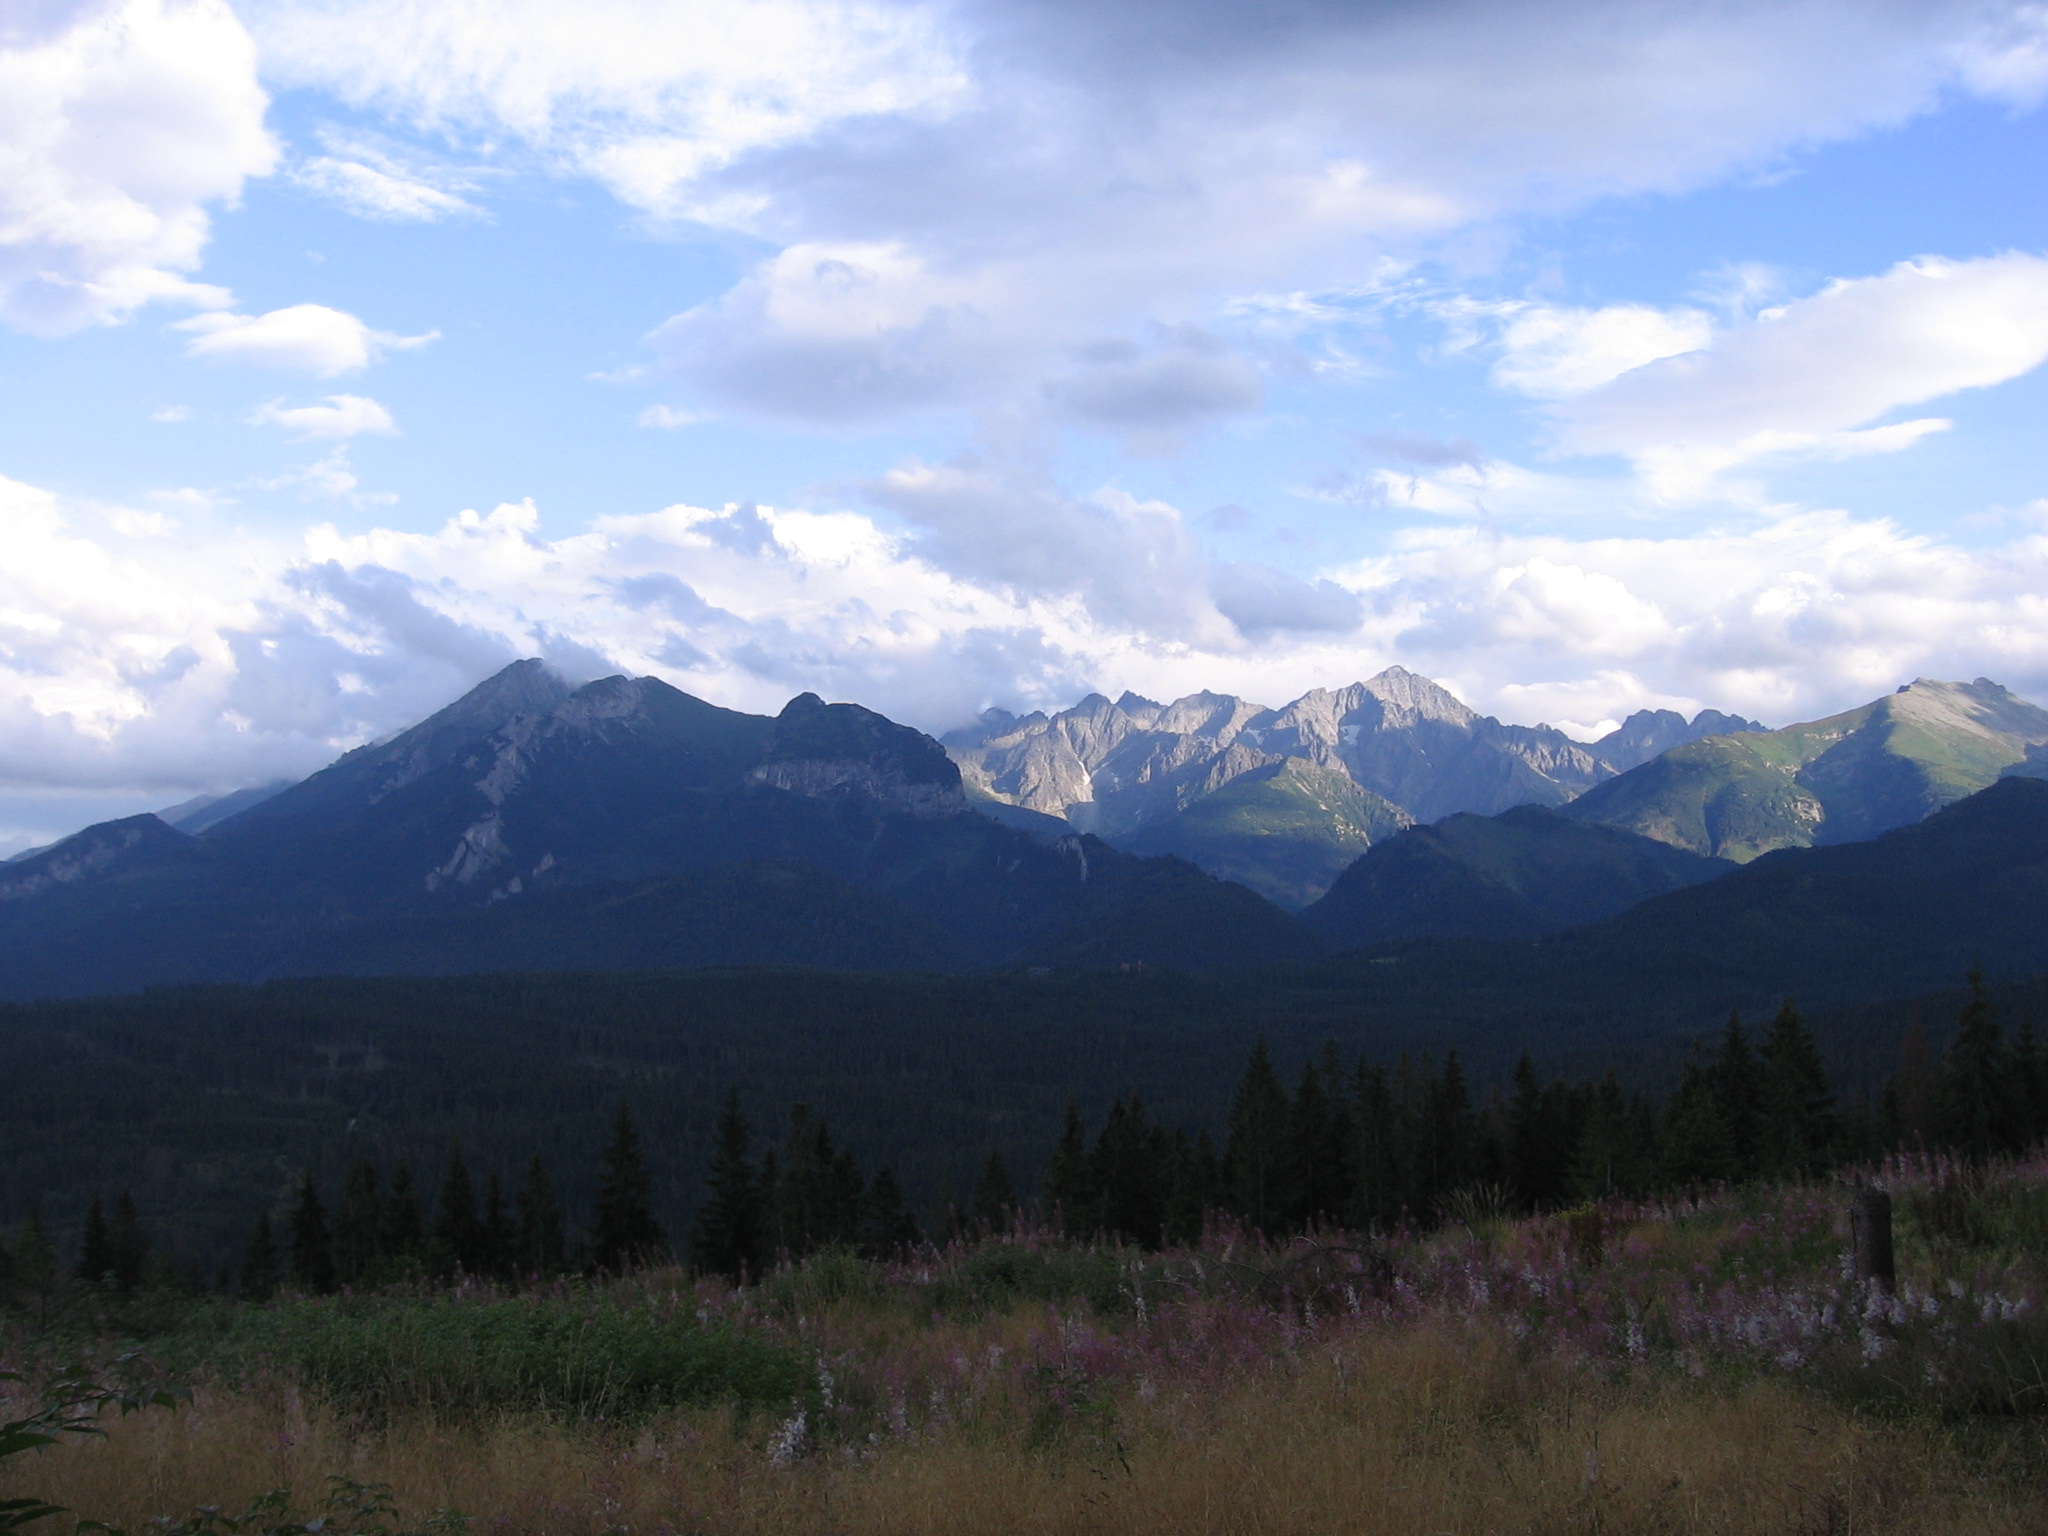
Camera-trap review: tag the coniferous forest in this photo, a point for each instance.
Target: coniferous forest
(1346, 1143)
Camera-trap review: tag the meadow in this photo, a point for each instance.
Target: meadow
(1701, 1364)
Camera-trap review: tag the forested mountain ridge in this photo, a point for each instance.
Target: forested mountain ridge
(620, 824)
(1842, 779)
(1344, 768)
(1525, 872)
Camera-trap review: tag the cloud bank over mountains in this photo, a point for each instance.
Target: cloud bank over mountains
(139, 658)
(999, 227)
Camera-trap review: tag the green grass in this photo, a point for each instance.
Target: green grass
(580, 1356)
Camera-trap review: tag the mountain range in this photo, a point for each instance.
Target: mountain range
(533, 825)
(1281, 800)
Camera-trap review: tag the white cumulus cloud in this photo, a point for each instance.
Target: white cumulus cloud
(139, 655)
(122, 123)
(336, 416)
(1812, 376)
(304, 338)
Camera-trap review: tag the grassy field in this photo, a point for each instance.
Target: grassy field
(1702, 1367)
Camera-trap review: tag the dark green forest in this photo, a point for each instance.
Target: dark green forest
(202, 1107)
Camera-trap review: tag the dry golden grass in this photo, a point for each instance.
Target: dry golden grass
(1439, 1427)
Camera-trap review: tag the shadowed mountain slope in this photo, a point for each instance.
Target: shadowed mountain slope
(623, 823)
(1525, 872)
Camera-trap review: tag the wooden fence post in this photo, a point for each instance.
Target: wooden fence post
(1870, 1231)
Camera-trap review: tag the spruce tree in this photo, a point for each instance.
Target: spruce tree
(359, 1226)
(1601, 1162)
(1797, 1123)
(1258, 1154)
(497, 1236)
(727, 1237)
(1070, 1194)
(1447, 1158)
(817, 1193)
(1323, 1143)
(1130, 1172)
(1739, 1092)
(259, 1275)
(95, 1245)
(1696, 1148)
(624, 1233)
(1376, 1199)
(1531, 1157)
(33, 1263)
(543, 1241)
(2029, 1087)
(405, 1234)
(127, 1244)
(887, 1227)
(312, 1247)
(1190, 1185)
(993, 1197)
(1909, 1096)
(1973, 1091)
(456, 1243)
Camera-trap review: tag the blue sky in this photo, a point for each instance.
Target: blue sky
(1586, 357)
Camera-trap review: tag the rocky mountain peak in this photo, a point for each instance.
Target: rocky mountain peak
(107, 849)
(821, 750)
(1408, 696)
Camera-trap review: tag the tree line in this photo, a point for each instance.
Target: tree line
(1361, 1145)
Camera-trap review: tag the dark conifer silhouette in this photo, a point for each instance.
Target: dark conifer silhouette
(887, 1227)
(728, 1236)
(1070, 1193)
(1973, 1101)
(1257, 1156)
(993, 1197)
(1797, 1123)
(543, 1246)
(312, 1266)
(457, 1243)
(127, 1244)
(359, 1226)
(260, 1270)
(1739, 1091)
(815, 1200)
(625, 1233)
(95, 1244)
(1696, 1148)
(404, 1227)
